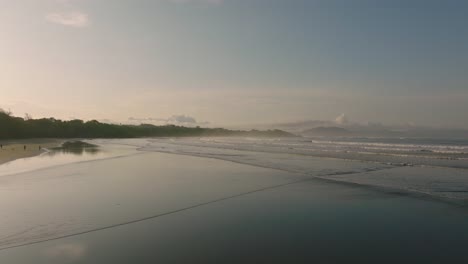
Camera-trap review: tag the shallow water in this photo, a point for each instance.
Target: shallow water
(311, 222)
(452, 154)
(80, 196)
(440, 178)
(58, 156)
(145, 207)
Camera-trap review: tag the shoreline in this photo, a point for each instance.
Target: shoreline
(14, 149)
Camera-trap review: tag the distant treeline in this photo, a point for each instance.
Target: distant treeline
(12, 127)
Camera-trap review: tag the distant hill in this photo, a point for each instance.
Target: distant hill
(12, 127)
(370, 129)
(327, 131)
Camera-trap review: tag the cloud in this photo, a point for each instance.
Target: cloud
(75, 19)
(342, 119)
(147, 120)
(71, 251)
(174, 120)
(182, 119)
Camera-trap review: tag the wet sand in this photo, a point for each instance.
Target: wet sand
(166, 208)
(12, 150)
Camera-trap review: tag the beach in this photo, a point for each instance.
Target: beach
(15, 149)
(224, 131)
(133, 203)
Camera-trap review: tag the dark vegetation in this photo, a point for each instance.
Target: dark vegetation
(12, 127)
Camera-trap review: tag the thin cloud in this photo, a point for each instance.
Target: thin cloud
(71, 19)
(182, 119)
(173, 120)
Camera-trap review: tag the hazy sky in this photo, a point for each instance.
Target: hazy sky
(236, 61)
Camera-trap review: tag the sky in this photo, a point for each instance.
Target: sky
(232, 62)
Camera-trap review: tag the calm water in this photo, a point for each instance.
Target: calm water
(62, 156)
(309, 221)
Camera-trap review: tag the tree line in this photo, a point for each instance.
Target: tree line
(12, 127)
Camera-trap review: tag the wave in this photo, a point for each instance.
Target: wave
(380, 152)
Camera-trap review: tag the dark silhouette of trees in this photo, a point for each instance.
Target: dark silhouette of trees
(16, 127)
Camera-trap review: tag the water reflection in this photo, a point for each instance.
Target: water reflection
(69, 152)
(76, 148)
(66, 252)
